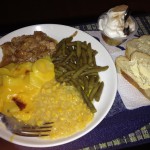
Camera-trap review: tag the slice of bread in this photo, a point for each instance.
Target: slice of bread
(141, 44)
(136, 71)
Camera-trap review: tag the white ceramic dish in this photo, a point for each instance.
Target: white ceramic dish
(109, 77)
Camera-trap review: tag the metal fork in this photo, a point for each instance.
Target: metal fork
(22, 129)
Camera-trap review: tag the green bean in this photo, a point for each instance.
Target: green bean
(68, 67)
(69, 57)
(61, 68)
(84, 45)
(74, 60)
(58, 52)
(85, 98)
(99, 91)
(64, 80)
(84, 56)
(74, 34)
(70, 48)
(77, 62)
(81, 82)
(91, 82)
(65, 40)
(80, 62)
(78, 49)
(86, 85)
(58, 73)
(93, 59)
(78, 72)
(58, 46)
(69, 39)
(72, 65)
(90, 74)
(89, 52)
(70, 44)
(57, 59)
(93, 91)
(95, 70)
(94, 52)
(96, 78)
(63, 49)
(65, 75)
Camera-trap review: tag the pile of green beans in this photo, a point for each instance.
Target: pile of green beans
(75, 64)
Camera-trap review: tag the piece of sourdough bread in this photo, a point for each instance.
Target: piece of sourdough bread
(141, 44)
(136, 70)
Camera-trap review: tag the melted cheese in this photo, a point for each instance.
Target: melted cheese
(20, 83)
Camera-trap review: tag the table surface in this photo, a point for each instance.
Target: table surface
(122, 137)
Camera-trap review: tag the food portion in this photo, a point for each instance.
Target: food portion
(64, 106)
(135, 66)
(54, 84)
(28, 48)
(75, 64)
(30, 93)
(141, 44)
(116, 25)
(20, 83)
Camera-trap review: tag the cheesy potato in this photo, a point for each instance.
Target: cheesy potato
(30, 93)
(19, 83)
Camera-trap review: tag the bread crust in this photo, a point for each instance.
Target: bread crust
(131, 81)
(135, 44)
(122, 61)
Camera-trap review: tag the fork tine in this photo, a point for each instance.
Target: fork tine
(21, 129)
(44, 127)
(36, 131)
(30, 134)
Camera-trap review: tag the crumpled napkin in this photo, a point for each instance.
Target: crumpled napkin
(130, 96)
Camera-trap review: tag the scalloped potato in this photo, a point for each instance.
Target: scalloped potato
(19, 83)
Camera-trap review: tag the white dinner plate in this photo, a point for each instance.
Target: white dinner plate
(109, 77)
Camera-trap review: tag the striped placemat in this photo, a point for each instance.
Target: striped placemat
(141, 135)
